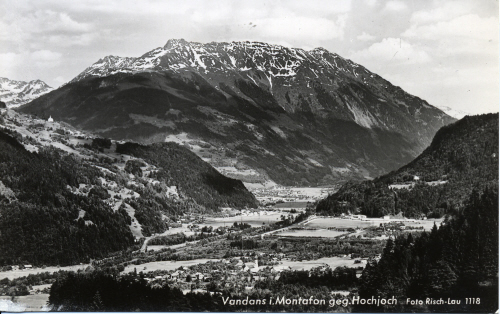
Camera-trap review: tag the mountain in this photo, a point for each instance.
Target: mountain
(67, 196)
(17, 93)
(457, 114)
(255, 111)
(462, 157)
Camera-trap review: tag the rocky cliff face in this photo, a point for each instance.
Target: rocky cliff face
(256, 111)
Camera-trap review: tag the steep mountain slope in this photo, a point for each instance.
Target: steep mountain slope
(462, 157)
(66, 196)
(256, 110)
(17, 93)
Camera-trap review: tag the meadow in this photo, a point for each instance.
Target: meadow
(324, 223)
(323, 233)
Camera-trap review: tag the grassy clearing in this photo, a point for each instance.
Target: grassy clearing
(291, 205)
(324, 233)
(25, 303)
(427, 224)
(12, 274)
(339, 223)
(165, 265)
(254, 221)
(333, 262)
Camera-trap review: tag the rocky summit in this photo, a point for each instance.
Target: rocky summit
(258, 112)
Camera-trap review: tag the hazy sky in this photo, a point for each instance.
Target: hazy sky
(445, 52)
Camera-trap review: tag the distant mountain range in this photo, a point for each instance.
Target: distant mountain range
(457, 114)
(462, 157)
(17, 93)
(257, 112)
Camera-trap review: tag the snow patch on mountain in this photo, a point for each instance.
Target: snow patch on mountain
(17, 93)
(177, 54)
(457, 114)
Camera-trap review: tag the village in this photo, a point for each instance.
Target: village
(282, 194)
(236, 274)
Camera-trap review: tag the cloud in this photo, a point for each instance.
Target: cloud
(45, 58)
(365, 37)
(471, 89)
(60, 80)
(445, 12)
(291, 21)
(26, 65)
(42, 27)
(63, 40)
(408, 42)
(301, 28)
(467, 39)
(465, 26)
(371, 3)
(44, 21)
(394, 51)
(8, 63)
(395, 6)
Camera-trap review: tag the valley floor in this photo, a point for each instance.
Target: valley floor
(193, 266)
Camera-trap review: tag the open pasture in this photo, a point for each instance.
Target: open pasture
(323, 233)
(253, 220)
(333, 262)
(427, 224)
(324, 223)
(294, 205)
(165, 265)
(330, 222)
(12, 274)
(25, 303)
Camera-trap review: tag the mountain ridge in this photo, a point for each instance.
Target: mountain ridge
(17, 93)
(290, 115)
(462, 157)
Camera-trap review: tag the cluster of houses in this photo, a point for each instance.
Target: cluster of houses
(18, 267)
(282, 194)
(246, 212)
(226, 273)
(387, 218)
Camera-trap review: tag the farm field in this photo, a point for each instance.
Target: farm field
(427, 224)
(25, 303)
(323, 223)
(254, 220)
(12, 274)
(313, 192)
(165, 265)
(324, 233)
(296, 205)
(156, 247)
(333, 262)
(350, 223)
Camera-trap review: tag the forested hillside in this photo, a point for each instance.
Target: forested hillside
(39, 216)
(462, 156)
(459, 260)
(193, 177)
(67, 197)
